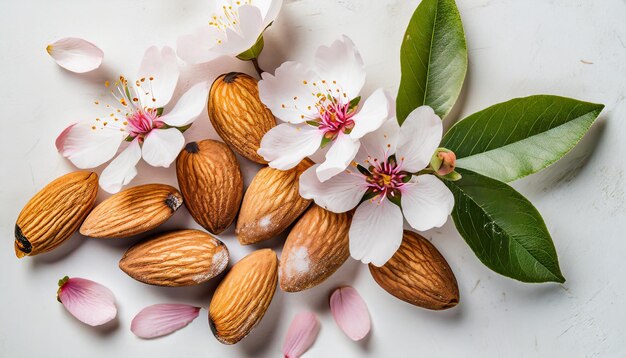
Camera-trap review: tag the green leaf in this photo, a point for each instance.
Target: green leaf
(520, 137)
(254, 51)
(503, 229)
(433, 59)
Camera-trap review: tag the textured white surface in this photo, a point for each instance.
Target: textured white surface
(574, 48)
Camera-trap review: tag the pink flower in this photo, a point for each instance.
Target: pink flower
(136, 117)
(234, 28)
(385, 184)
(88, 301)
(321, 107)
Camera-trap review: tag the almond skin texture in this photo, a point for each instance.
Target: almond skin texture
(55, 213)
(315, 248)
(243, 296)
(132, 211)
(238, 115)
(271, 203)
(211, 183)
(177, 258)
(418, 274)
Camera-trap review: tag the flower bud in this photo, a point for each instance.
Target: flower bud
(443, 161)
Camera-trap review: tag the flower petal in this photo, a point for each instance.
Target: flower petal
(162, 319)
(376, 231)
(341, 62)
(269, 10)
(379, 144)
(350, 312)
(419, 137)
(285, 145)
(199, 46)
(88, 301)
(162, 146)
(426, 202)
(76, 55)
(302, 333)
(86, 147)
(189, 106)
(162, 67)
(122, 169)
(338, 157)
(288, 93)
(250, 28)
(372, 115)
(339, 194)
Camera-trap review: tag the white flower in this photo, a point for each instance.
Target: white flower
(385, 183)
(321, 107)
(136, 117)
(234, 28)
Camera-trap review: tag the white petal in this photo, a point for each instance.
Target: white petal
(426, 202)
(86, 147)
(338, 157)
(376, 231)
(339, 194)
(162, 146)
(269, 10)
(379, 144)
(285, 145)
(249, 29)
(199, 46)
(189, 106)
(288, 93)
(76, 55)
(372, 115)
(122, 169)
(162, 66)
(419, 137)
(341, 62)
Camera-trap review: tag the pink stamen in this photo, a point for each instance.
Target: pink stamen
(335, 116)
(142, 121)
(386, 178)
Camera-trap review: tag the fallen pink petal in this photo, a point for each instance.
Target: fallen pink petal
(88, 301)
(162, 319)
(350, 312)
(301, 334)
(76, 55)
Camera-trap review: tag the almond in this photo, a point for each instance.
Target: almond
(54, 213)
(241, 299)
(271, 203)
(211, 183)
(132, 211)
(238, 115)
(177, 258)
(315, 248)
(418, 274)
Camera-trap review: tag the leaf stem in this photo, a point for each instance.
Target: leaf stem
(255, 62)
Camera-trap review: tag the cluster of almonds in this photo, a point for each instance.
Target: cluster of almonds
(211, 187)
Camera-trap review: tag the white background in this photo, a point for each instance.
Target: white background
(516, 48)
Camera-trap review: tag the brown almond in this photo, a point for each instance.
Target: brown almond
(418, 274)
(315, 248)
(243, 296)
(55, 213)
(132, 211)
(177, 258)
(271, 203)
(238, 115)
(210, 181)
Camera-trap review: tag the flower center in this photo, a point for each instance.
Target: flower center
(386, 178)
(334, 117)
(142, 121)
